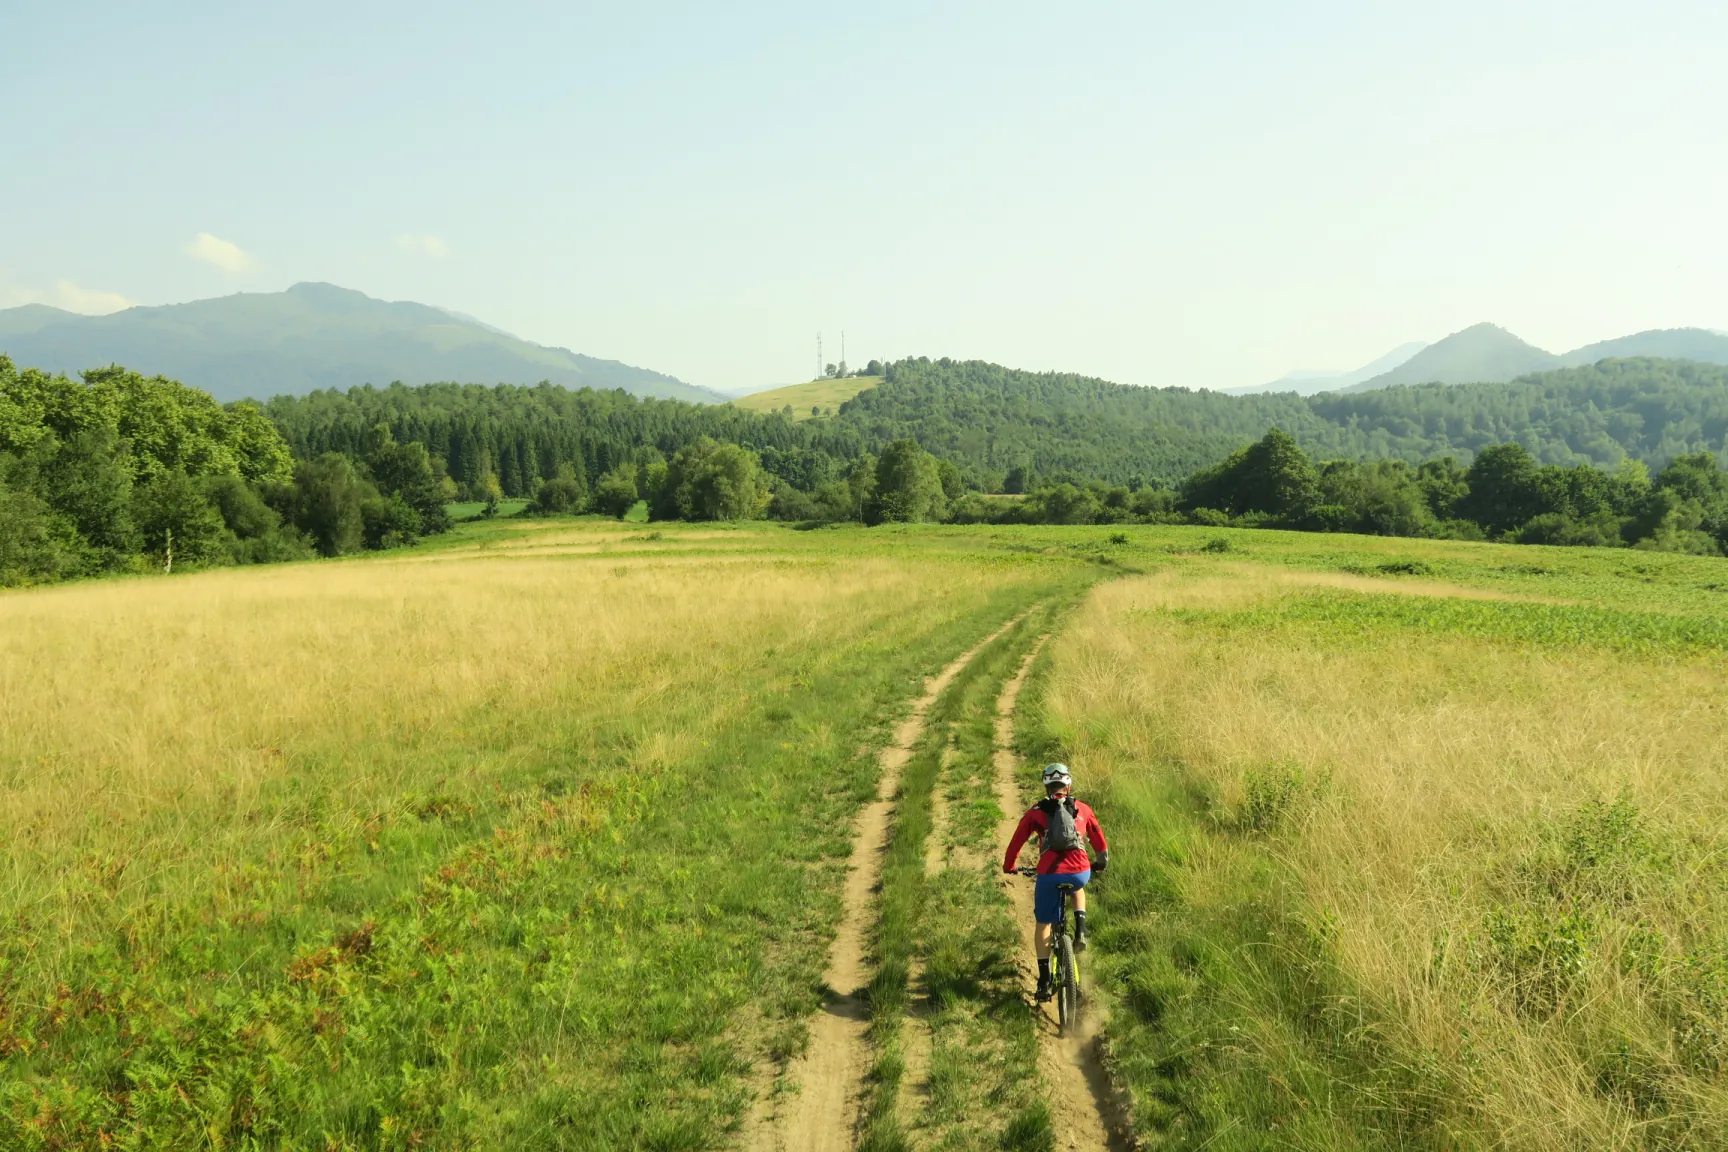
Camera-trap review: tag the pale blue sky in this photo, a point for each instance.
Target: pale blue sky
(1200, 194)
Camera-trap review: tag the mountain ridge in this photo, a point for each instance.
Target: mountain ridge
(1307, 382)
(312, 336)
(1481, 353)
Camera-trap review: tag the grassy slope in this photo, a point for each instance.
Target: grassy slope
(529, 839)
(1415, 844)
(824, 393)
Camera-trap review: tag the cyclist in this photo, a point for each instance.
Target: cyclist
(1064, 825)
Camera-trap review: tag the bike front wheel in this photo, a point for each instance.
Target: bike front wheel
(1067, 985)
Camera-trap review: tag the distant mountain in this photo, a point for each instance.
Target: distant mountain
(311, 336)
(1482, 353)
(1698, 344)
(31, 318)
(1307, 382)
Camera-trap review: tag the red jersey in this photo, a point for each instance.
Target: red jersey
(1085, 821)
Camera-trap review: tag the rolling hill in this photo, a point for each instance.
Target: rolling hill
(1482, 352)
(313, 336)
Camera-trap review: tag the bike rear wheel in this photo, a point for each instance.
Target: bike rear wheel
(1067, 985)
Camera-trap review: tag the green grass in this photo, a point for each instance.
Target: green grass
(473, 509)
(825, 394)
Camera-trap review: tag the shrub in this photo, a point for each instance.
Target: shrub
(1270, 794)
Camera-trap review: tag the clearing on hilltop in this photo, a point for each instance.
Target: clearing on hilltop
(810, 400)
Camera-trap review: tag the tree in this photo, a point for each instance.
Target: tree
(1443, 485)
(1017, 481)
(565, 493)
(327, 496)
(89, 480)
(953, 485)
(387, 521)
(35, 545)
(1272, 476)
(177, 522)
(707, 480)
(1506, 489)
(407, 471)
(617, 492)
(1064, 504)
(908, 486)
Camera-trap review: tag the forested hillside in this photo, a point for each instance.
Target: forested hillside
(991, 418)
(520, 436)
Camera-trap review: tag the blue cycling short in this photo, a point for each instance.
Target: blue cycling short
(1046, 901)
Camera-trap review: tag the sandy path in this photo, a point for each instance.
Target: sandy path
(1081, 1097)
(823, 1114)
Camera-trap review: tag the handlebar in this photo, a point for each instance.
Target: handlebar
(1027, 869)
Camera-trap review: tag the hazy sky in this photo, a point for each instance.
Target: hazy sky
(1198, 194)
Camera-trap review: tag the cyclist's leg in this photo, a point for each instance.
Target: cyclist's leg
(1078, 896)
(1046, 911)
(1047, 907)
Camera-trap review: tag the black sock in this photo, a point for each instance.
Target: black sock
(1079, 923)
(1044, 968)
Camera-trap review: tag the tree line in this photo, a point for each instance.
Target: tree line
(121, 472)
(1504, 494)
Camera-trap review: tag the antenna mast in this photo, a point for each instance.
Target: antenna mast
(818, 375)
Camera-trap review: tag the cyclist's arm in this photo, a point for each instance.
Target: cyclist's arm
(1095, 834)
(1028, 825)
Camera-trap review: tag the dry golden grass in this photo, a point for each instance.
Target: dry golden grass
(159, 731)
(1438, 769)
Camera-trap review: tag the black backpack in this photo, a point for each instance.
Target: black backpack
(1063, 831)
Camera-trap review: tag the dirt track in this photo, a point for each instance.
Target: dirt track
(821, 1113)
(1083, 1107)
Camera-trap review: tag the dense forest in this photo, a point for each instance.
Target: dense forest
(121, 472)
(989, 419)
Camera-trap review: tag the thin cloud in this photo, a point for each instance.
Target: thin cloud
(70, 297)
(432, 246)
(90, 301)
(224, 254)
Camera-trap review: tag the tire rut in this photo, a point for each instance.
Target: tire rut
(1085, 1108)
(821, 1111)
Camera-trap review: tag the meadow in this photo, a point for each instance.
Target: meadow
(1420, 844)
(529, 840)
(536, 836)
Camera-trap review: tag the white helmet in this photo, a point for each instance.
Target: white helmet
(1057, 774)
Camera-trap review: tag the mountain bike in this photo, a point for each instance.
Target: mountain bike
(1065, 972)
